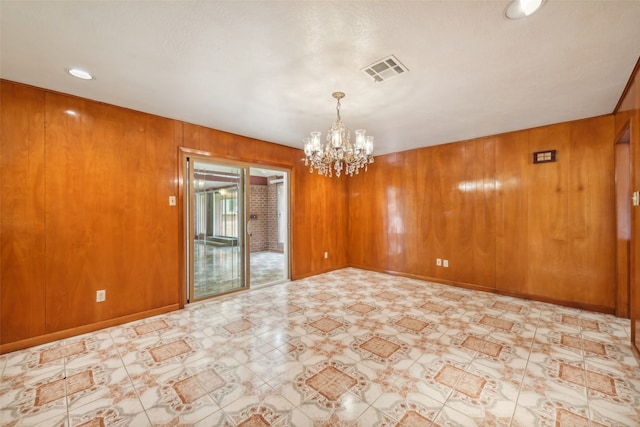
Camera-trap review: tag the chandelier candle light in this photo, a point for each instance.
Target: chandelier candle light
(338, 153)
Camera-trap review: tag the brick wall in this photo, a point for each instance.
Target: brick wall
(272, 219)
(258, 227)
(264, 228)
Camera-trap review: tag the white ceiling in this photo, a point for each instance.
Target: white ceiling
(266, 69)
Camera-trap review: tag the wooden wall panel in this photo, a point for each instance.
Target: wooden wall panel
(512, 206)
(552, 216)
(629, 112)
(195, 137)
(367, 245)
(394, 217)
(407, 247)
(82, 240)
(629, 102)
(92, 188)
(460, 235)
(22, 221)
(545, 231)
(401, 213)
(274, 154)
(415, 206)
(424, 226)
(109, 174)
(319, 223)
(303, 213)
(447, 205)
(548, 234)
(592, 212)
(479, 215)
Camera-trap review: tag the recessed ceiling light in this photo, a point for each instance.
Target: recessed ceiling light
(81, 74)
(520, 8)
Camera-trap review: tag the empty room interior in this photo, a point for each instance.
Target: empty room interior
(320, 213)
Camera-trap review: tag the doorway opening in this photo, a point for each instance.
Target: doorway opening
(623, 222)
(268, 226)
(236, 225)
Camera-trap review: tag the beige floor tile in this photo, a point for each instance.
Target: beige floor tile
(345, 348)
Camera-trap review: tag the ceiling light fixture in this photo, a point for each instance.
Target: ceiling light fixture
(81, 74)
(338, 154)
(520, 8)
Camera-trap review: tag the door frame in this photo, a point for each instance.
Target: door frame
(622, 157)
(183, 154)
(288, 193)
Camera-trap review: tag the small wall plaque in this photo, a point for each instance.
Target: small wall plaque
(544, 156)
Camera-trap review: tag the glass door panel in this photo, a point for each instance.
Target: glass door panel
(217, 241)
(268, 226)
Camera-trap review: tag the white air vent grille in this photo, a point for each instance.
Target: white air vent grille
(385, 69)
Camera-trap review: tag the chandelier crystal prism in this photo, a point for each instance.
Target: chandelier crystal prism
(338, 154)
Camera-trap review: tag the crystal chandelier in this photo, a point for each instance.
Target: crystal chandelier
(338, 154)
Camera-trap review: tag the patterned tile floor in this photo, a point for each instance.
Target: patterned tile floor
(344, 348)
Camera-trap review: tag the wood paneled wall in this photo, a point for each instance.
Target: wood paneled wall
(543, 231)
(22, 213)
(628, 114)
(84, 206)
(109, 172)
(419, 205)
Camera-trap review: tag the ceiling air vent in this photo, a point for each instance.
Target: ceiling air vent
(385, 69)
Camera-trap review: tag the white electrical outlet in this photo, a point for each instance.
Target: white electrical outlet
(438, 261)
(101, 295)
(445, 263)
(326, 255)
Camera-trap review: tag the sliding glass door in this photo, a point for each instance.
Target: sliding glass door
(237, 232)
(216, 233)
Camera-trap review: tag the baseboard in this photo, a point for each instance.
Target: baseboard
(635, 351)
(43, 339)
(315, 273)
(505, 292)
